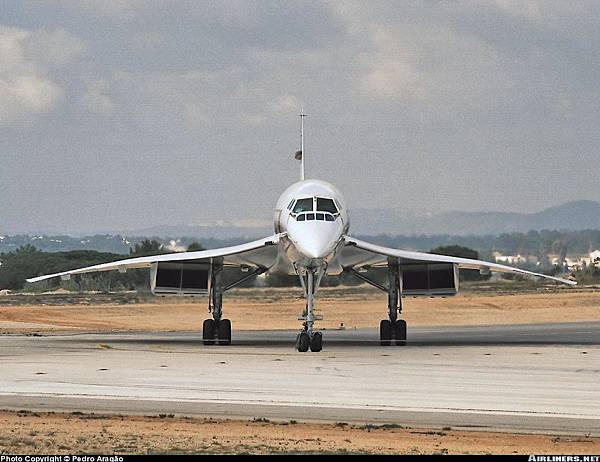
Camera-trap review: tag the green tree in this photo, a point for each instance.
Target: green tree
(588, 275)
(195, 246)
(27, 249)
(147, 247)
(462, 252)
(140, 278)
(27, 262)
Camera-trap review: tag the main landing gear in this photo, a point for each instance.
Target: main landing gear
(214, 331)
(391, 330)
(308, 338)
(218, 330)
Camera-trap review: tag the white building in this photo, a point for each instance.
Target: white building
(515, 259)
(576, 262)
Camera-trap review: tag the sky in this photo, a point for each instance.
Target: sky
(125, 114)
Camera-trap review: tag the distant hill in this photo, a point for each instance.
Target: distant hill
(221, 231)
(571, 216)
(106, 242)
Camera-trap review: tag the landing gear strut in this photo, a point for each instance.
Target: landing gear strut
(308, 339)
(216, 329)
(393, 328)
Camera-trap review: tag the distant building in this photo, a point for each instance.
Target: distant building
(577, 262)
(515, 259)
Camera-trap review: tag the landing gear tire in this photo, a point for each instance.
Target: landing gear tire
(316, 342)
(400, 332)
(208, 332)
(385, 332)
(302, 342)
(224, 332)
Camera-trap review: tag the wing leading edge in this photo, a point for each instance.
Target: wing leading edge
(262, 252)
(358, 253)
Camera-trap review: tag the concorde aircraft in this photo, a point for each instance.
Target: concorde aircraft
(311, 240)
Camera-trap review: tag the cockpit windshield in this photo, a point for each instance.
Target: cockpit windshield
(303, 205)
(326, 205)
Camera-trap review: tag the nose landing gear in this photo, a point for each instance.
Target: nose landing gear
(316, 342)
(308, 338)
(304, 342)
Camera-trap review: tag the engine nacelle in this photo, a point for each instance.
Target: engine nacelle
(172, 278)
(430, 279)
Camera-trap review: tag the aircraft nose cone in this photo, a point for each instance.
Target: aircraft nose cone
(314, 239)
(312, 248)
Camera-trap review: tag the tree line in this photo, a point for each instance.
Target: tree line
(27, 261)
(535, 243)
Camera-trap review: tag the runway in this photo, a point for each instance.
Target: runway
(525, 378)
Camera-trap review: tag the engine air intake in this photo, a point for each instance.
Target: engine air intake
(430, 279)
(179, 278)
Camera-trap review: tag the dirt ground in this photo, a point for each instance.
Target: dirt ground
(255, 309)
(58, 433)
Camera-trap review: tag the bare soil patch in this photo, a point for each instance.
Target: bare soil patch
(254, 309)
(59, 433)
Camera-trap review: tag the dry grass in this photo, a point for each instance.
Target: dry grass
(278, 309)
(57, 433)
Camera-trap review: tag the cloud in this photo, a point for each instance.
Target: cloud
(555, 14)
(27, 94)
(109, 8)
(529, 9)
(440, 67)
(391, 69)
(95, 97)
(27, 57)
(402, 98)
(176, 99)
(479, 58)
(55, 48)
(284, 104)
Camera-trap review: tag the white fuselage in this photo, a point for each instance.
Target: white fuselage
(314, 216)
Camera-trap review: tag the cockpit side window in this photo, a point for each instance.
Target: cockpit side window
(326, 205)
(339, 206)
(303, 205)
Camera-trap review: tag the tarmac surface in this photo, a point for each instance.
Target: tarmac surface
(525, 378)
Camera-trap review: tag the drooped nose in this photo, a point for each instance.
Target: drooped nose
(313, 238)
(314, 246)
